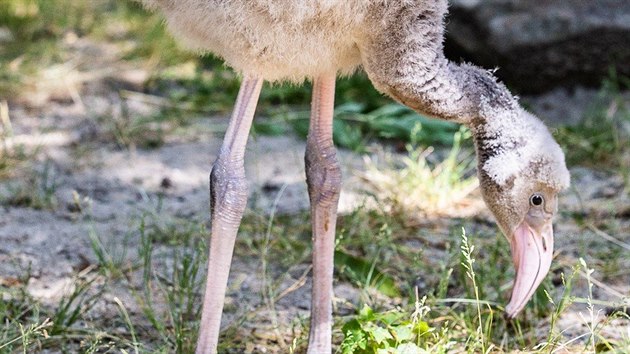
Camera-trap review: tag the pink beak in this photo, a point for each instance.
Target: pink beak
(532, 251)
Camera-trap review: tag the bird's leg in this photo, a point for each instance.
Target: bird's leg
(323, 176)
(228, 198)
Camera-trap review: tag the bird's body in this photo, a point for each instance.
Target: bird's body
(399, 45)
(274, 39)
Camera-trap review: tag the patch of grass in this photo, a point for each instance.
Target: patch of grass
(165, 280)
(474, 324)
(35, 191)
(422, 187)
(11, 158)
(71, 308)
(112, 257)
(27, 335)
(479, 338)
(132, 131)
(30, 20)
(29, 326)
(368, 256)
(554, 338)
(42, 34)
(171, 298)
(286, 239)
(35, 31)
(365, 274)
(461, 310)
(20, 315)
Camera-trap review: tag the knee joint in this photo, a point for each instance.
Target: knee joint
(228, 190)
(323, 175)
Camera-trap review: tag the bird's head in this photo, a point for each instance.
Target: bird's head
(521, 174)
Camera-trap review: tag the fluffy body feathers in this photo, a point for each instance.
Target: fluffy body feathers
(275, 40)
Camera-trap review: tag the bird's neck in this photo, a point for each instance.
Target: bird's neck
(504, 133)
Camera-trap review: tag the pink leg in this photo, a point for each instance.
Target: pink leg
(323, 177)
(228, 198)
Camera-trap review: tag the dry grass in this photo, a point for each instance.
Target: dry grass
(423, 188)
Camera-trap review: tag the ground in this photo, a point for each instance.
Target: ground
(104, 224)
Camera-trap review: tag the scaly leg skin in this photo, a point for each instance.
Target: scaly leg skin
(323, 176)
(228, 198)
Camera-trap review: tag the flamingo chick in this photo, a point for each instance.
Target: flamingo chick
(399, 45)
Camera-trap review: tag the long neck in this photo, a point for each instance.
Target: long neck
(509, 140)
(469, 95)
(501, 142)
(403, 55)
(501, 129)
(507, 137)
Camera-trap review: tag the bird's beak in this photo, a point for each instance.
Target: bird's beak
(532, 249)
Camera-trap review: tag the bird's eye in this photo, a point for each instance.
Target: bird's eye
(536, 200)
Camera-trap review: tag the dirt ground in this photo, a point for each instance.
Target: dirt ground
(61, 123)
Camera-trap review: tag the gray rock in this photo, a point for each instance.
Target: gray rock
(538, 44)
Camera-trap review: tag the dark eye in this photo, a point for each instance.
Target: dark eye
(536, 200)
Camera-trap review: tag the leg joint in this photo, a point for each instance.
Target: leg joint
(228, 190)
(323, 174)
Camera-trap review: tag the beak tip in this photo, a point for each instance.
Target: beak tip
(511, 312)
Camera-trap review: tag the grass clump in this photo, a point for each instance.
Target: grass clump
(432, 326)
(27, 335)
(432, 189)
(36, 191)
(179, 288)
(165, 281)
(21, 318)
(29, 325)
(365, 272)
